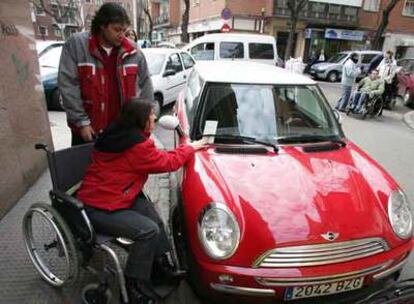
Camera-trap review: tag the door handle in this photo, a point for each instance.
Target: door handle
(185, 77)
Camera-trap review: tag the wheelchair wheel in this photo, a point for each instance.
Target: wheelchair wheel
(377, 107)
(50, 245)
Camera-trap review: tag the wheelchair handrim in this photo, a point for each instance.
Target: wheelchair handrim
(36, 259)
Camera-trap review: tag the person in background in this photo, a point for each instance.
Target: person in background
(350, 71)
(131, 34)
(100, 71)
(322, 56)
(368, 87)
(111, 190)
(387, 72)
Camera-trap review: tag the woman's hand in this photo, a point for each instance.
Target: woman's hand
(199, 144)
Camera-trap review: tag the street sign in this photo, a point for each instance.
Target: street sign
(226, 13)
(225, 28)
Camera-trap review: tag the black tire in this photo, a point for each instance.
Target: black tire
(58, 247)
(93, 294)
(332, 76)
(377, 107)
(55, 101)
(408, 99)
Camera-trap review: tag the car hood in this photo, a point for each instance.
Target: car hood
(293, 197)
(324, 65)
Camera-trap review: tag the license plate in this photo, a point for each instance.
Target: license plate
(308, 291)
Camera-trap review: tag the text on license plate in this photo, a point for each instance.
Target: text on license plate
(317, 290)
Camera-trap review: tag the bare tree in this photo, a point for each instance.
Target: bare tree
(184, 23)
(294, 6)
(66, 9)
(376, 43)
(150, 21)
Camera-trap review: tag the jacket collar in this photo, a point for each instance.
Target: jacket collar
(126, 48)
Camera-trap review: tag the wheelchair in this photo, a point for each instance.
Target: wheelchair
(59, 237)
(372, 106)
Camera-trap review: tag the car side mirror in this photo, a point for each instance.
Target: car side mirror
(170, 122)
(338, 116)
(169, 72)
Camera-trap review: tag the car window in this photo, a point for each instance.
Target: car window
(337, 58)
(187, 61)
(268, 112)
(367, 58)
(154, 62)
(174, 63)
(261, 51)
(192, 94)
(231, 50)
(203, 51)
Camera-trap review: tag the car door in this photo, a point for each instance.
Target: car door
(175, 82)
(366, 59)
(188, 63)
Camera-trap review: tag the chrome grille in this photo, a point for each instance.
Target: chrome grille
(321, 254)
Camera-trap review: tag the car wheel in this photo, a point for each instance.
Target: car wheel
(391, 104)
(158, 105)
(332, 76)
(55, 102)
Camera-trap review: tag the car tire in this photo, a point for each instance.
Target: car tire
(55, 101)
(332, 76)
(408, 99)
(158, 105)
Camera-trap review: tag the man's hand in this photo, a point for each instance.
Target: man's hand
(87, 133)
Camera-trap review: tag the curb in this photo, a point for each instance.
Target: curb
(408, 118)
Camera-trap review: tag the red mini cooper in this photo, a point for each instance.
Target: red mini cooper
(280, 206)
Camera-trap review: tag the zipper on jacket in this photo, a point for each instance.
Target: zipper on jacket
(127, 188)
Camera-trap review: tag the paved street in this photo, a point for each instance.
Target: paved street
(387, 139)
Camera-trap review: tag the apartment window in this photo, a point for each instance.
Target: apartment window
(196, 2)
(409, 8)
(282, 4)
(372, 5)
(39, 11)
(43, 30)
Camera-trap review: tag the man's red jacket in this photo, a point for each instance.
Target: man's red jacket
(120, 166)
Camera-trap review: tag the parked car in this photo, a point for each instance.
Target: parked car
(405, 78)
(169, 69)
(234, 46)
(281, 205)
(49, 65)
(332, 69)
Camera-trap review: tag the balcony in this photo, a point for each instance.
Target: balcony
(321, 13)
(161, 20)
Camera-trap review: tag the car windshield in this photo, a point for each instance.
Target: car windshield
(337, 58)
(155, 62)
(51, 57)
(270, 113)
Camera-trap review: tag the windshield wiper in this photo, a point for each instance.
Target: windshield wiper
(244, 139)
(306, 138)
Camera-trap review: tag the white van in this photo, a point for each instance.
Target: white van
(228, 46)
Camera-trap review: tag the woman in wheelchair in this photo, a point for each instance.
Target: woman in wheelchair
(123, 157)
(369, 87)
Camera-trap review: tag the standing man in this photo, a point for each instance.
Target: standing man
(99, 71)
(387, 71)
(349, 73)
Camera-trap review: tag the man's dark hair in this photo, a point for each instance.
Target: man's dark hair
(135, 113)
(109, 12)
(354, 55)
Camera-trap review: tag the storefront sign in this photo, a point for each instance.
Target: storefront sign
(344, 34)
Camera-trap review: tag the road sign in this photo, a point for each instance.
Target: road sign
(226, 13)
(225, 28)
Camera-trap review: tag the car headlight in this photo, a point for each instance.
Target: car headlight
(399, 214)
(218, 231)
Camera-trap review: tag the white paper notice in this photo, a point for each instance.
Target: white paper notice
(210, 128)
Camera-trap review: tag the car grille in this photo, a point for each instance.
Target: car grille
(321, 254)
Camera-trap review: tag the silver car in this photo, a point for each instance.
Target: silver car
(332, 69)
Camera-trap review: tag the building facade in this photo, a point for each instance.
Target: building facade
(78, 15)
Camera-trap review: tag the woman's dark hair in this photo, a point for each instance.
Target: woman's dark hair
(109, 12)
(135, 113)
(133, 34)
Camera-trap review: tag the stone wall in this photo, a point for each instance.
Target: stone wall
(23, 114)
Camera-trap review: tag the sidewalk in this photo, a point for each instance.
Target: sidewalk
(20, 282)
(409, 119)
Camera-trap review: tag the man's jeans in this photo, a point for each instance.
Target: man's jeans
(343, 101)
(359, 100)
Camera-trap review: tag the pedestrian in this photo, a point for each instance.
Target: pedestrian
(131, 34)
(387, 72)
(322, 56)
(369, 87)
(111, 190)
(99, 71)
(349, 73)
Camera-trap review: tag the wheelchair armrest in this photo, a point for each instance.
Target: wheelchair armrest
(64, 197)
